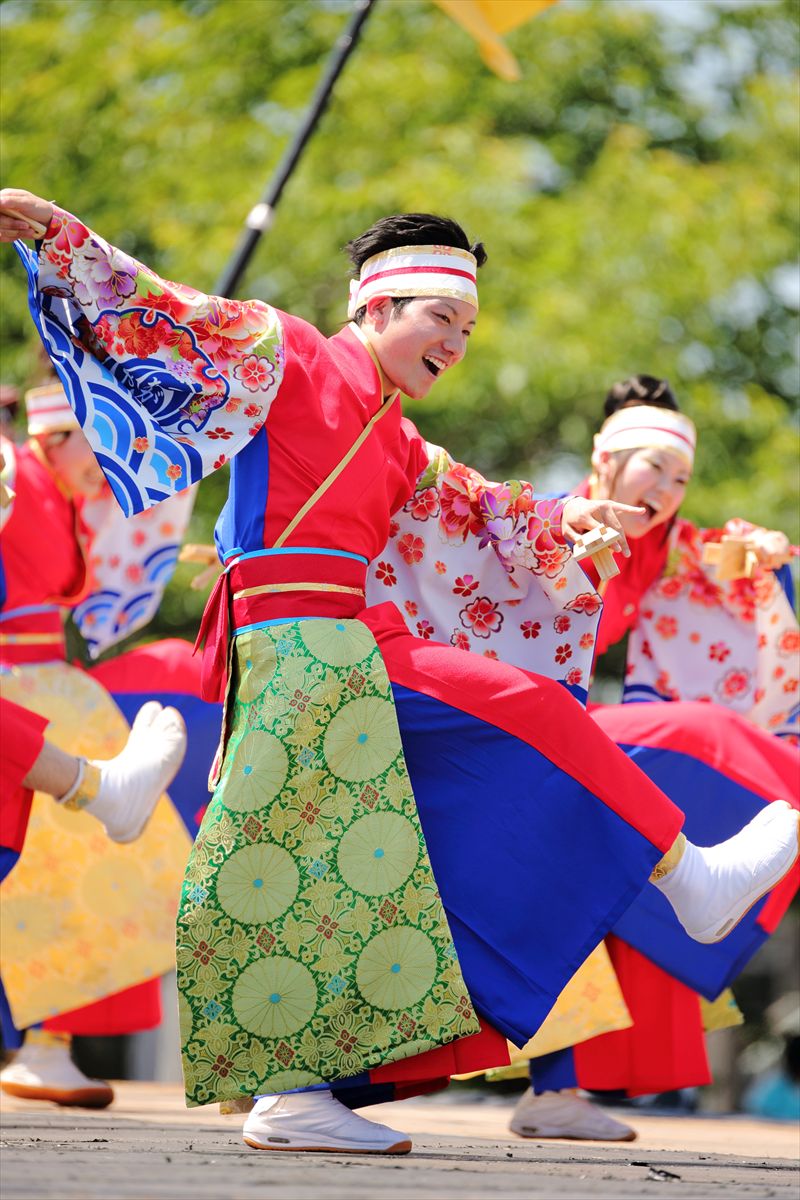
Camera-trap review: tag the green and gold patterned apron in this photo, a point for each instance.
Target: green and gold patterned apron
(312, 941)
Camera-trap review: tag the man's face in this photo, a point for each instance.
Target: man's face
(72, 461)
(418, 342)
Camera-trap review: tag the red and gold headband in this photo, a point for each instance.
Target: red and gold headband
(416, 271)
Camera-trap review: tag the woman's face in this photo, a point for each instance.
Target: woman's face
(416, 344)
(654, 479)
(72, 461)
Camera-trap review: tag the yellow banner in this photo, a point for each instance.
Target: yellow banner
(486, 20)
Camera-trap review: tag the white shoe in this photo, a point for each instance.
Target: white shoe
(713, 887)
(316, 1121)
(564, 1115)
(132, 783)
(46, 1072)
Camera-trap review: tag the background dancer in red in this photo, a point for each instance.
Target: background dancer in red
(116, 775)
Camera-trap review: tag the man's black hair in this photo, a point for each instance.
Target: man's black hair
(639, 389)
(408, 229)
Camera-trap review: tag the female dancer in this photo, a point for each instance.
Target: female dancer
(644, 456)
(70, 905)
(693, 637)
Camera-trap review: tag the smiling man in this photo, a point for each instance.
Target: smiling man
(413, 353)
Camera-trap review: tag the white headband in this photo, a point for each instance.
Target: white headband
(416, 271)
(643, 425)
(49, 410)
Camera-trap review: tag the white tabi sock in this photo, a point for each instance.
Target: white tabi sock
(713, 887)
(123, 791)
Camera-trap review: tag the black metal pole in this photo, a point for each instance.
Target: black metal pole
(260, 218)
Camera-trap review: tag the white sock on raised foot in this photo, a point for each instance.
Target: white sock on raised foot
(713, 887)
(316, 1121)
(132, 783)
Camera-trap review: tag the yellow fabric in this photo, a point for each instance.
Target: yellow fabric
(484, 20)
(670, 860)
(47, 1037)
(80, 916)
(590, 1004)
(722, 1013)
(264, 589)
(31, 639)
(86, 790)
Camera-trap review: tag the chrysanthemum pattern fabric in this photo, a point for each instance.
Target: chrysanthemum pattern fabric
(734, 643)
(312, 942)
(485, 567)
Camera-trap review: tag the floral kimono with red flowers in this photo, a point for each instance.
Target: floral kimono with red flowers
(484, 567)
(734, 643)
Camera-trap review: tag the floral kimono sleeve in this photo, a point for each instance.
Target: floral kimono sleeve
(167, 383)
(485, 567)
(734, 643)
(131, 561)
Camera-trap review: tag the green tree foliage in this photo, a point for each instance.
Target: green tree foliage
(637, 192)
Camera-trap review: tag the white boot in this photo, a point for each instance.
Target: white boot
(131, 784)
(43, 1070)
(713, 887)
(316, 1121)
(565, 1115)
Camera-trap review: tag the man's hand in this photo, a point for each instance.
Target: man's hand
(581, 515)
(23, 215)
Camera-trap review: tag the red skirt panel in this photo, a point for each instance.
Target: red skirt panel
(665, 1047)
(130, 1011)
(21, 742)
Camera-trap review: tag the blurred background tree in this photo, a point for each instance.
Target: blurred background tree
(637, 192)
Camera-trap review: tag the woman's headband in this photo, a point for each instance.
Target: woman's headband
(416, 271)
(643, 425)
(49, 411)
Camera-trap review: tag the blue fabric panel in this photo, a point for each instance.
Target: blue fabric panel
(716, 808)
(12, 1038)
(786, 580)
(533, 869)
(8, 859)
(189, 789)
(553, 1072)
(240, 525)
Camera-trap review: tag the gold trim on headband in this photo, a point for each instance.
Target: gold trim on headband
(398, 251)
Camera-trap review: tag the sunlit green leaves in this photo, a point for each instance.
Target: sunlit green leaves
(637, 193)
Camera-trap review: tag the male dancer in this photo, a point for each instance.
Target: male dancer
(323, 687)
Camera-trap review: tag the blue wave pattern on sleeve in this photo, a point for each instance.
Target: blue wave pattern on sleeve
(164, 398)
(111, 419)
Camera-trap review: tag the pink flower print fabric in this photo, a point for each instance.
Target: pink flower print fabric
(484, 566)
(735, 643)
(131, 562)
